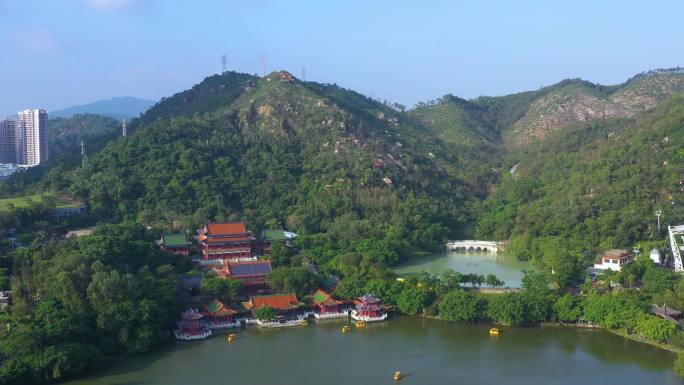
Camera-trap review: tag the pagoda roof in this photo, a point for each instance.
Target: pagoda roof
(225, 228)
(274, 301)
(249, 268)
(322, 298)
(368, 298)
(191, 315)
(217, 308)
(174, 239)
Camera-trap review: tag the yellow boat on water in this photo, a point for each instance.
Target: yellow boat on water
(494, 332)
(398, 375)
(360, 324)
(346, 329)
(231, 337)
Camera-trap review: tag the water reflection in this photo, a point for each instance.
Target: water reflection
(430, 351)
(504, 266)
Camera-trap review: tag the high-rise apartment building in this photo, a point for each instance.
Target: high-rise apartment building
(8, 146)
(31, 137)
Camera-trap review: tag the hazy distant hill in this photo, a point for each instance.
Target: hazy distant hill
(118, 108)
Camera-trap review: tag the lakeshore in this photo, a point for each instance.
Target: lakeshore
(426, 350)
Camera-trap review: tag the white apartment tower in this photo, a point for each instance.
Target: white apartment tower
(31, 137)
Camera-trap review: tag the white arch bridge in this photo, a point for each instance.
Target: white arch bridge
(473, 245)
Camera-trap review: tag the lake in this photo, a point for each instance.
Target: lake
(504, 266)
(427, 351)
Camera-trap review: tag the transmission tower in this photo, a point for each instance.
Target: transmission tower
(83, 153)
(123, 128)
(658, 213)
(304, 73)
(224, 64)
(263, 60)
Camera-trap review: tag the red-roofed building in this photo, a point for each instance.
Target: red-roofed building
(278, 302)
(368, 309)
(220, 316)
(229, 240)
(252, 274)
(327, 306)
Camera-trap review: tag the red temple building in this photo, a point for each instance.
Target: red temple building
(285, 305)
(174, 243)
(368, 309)
(326, 306)
(225, 241)
(277, 302)
(191, 327)
(220, 316)
(252, 274)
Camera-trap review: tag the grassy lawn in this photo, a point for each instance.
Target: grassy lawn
(26, 200)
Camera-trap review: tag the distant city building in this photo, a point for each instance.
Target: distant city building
(8, 146)
(31, 137)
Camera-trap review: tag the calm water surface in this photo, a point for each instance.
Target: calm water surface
(428, 351)
(504, 266)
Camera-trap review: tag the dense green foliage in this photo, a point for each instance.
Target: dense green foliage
(293, 280)
(78, 302)
(588, 190)
(365, 184)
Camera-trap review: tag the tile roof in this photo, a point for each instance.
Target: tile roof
(274, 235)
(323, 298)
(217, 308)
(275, 301)
(174, 239)
(249, 269)
(226, 228)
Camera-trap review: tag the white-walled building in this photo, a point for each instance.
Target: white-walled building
(614, 260)
(31, 137)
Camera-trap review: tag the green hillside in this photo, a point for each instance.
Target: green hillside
(594, 187)
(311, 157)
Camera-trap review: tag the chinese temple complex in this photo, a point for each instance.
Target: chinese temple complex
(228, 240)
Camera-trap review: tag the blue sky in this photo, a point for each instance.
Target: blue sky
(57, 53)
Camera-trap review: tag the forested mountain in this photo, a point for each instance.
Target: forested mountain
(317, 158)
(280, 152)
(519, 119)
(594, 186)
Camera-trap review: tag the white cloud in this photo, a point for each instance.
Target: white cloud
(35, 40)
(111, 5)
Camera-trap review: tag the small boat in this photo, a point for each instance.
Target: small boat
(346, 329)
(494, 332)
(231, 337)
(398, 375)
(360, 324)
